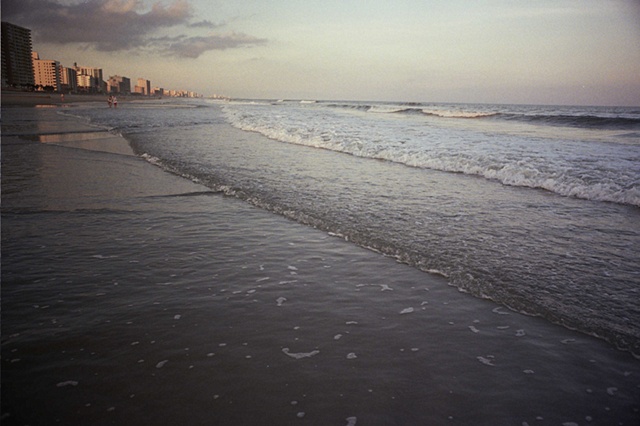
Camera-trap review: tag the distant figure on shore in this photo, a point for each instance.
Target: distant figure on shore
(110, 100)
(115, 102)
(62, 97)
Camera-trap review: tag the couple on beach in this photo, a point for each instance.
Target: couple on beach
(113, 101)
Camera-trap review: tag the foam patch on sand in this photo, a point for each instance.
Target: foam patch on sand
(300, 355)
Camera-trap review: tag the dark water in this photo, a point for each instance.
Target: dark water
(132, 296)
(570, 259)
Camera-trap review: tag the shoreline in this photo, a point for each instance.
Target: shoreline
(133, 296)
(15, 98)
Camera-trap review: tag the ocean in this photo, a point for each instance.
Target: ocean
(536, 208)
(335, 263)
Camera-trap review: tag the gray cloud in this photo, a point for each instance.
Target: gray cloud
(206, 24)
(118, 25)
(193, 47)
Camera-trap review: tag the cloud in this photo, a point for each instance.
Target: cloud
(205, 24)
(193, 47)
(118, 25)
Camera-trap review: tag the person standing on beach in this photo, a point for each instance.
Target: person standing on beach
(115, 102)
(110, 100)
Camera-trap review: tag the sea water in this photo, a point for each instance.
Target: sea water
(131, 296)
(534, 207)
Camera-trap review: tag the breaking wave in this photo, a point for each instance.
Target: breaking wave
(610, 121)
(569, 168)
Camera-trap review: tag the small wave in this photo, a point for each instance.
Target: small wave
(581, 121)
(564, 120)
(407, 111)
(395, 110)
(568, 176)
(357, 107)
(187, 194)
(629, 135)
(604, 122)
(460, 114)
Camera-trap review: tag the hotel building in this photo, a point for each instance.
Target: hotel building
(68, 79)
(46, 72)
(17, 67)
(119, 84)
(90, 79)
(143, 87)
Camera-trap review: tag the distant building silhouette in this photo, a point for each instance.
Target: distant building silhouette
(143, 87)
(68, 79)
(17, 66)
(21, 70)
(119, 84)
(89, 79)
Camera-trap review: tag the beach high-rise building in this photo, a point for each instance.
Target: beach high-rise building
(85, 83)
(119, 84)
(143, 87)
(96, 80)
(17, 67)
(68, 79)
(46, 73)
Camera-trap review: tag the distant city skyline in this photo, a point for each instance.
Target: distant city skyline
(494, 51)
(116, 82)
(23, 68)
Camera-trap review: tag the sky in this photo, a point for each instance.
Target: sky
(568, 52)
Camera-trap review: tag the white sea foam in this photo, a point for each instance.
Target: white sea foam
(407, 311)
(512, 159)
(300, 355)
(488, 360)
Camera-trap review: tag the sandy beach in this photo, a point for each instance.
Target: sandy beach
(133, 296)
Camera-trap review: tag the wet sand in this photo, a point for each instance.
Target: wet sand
(132, 296)
(14, 98)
